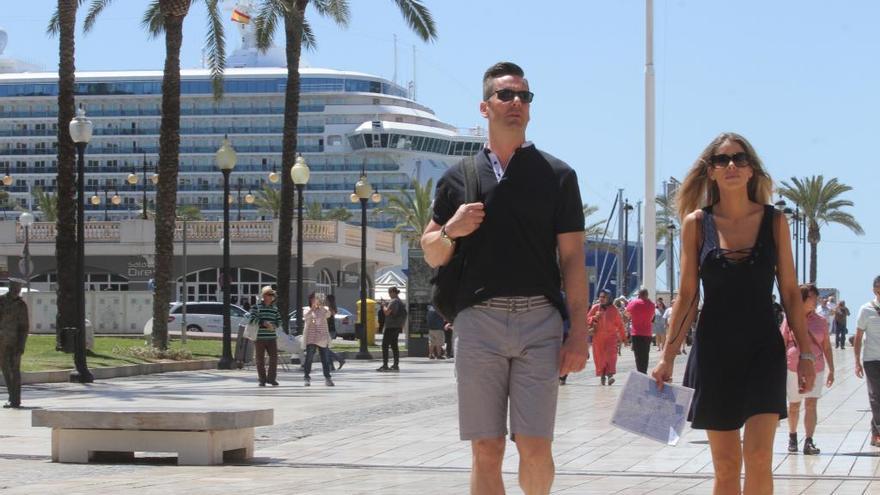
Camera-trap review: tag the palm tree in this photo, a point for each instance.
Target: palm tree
(593, 229)
(268, 200)
(165, 17)
(190, 213)
(314, 211)
(47, 204)
(63, 24)
(820, 203)
(339, 213)
(411, 210)
(297, 33)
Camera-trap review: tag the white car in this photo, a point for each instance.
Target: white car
(203, 316)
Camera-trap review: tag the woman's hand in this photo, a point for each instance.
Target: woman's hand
(662, 373)
(806, 375)
(829, 380)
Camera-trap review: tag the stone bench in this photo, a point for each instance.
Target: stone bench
(200, 437)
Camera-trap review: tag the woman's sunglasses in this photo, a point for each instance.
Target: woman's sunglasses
(740, 159)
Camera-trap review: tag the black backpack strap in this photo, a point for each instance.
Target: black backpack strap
(471, 180)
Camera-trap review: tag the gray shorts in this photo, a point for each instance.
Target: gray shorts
(503, 356)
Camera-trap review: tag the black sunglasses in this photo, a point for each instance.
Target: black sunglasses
(740, 159)
(509, 95)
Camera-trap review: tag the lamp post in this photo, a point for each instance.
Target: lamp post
(26, 219)
(107, 200)
(81, 133)
(133, 179)
(363, 192)
(226, 162)
(793, 216)
(626, 209)
(7, 181)
(299, 173)
(670, 258)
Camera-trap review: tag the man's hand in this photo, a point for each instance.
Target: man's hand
(860, 373)
(574, 353)
(466, 220)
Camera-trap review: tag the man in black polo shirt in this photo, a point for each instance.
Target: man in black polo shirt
(509, 326)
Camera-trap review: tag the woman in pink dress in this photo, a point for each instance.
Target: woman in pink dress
(606, 328)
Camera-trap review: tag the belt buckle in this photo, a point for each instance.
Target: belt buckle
(511, 305)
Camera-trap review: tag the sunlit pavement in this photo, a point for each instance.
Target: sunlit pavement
(396, 433)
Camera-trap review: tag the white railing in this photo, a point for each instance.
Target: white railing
(94, 232)
(385, 241)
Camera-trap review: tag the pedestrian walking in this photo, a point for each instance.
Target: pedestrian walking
(267, 316)
(606, 328)
(448, 334)
(316, 338)
(435, 334)
(659, 324)
(525, 235)
(395, 317)
(14, 328)
(820, 346)
(641, 313)
(868, 363)
(736, 244)
(841, 313)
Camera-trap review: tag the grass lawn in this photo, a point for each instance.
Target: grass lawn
(40, 353)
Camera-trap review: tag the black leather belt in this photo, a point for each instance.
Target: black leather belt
(515, 304)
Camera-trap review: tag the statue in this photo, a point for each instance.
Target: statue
(14, 328)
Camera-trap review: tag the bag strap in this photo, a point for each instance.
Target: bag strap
(471, 180)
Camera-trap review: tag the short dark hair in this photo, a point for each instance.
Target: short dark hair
(394, 289)
(877, 281)
(500, 69)
(643, 292)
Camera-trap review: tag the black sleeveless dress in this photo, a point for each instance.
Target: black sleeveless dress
(737, 366)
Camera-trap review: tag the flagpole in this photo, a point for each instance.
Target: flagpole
(649, 253)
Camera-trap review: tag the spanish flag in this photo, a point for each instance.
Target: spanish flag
(241, 17)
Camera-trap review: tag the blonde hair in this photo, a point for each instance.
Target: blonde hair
(698, 190)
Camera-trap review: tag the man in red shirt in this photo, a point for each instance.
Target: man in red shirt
(641, 312)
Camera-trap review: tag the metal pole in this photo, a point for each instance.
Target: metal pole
(797, 242)
(185, 297)
(625, 248)
(82, 373)
(239, 203)
(226, 360)
(804, 249)
(363, 353)
(106, 216)
(145, 186)
(649, 255)
(621, 249)
(639, 241)
(299, 258)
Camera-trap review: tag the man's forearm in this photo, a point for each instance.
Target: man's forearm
(576, 292)
(438, 252)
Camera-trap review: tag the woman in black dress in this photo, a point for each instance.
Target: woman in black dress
(736, 244)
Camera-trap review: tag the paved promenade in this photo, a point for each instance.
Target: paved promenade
(397, 434)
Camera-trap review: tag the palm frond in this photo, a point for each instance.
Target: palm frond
(314, 211)
(215, 45)
(153, 21)
(410, 209)
(266, 22)
(47, 203)
(419, 18)
(337, 10)
(95, 10)
(309, 41)
(268, 201)
(54, 26)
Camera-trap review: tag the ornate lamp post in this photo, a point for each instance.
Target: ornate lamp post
(627, 207)
(81, 133)
(363, 192)
(226, 162)
(299, 173)
(115, 200)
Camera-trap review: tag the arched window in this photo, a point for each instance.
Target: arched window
(324, 285)
(203, 285)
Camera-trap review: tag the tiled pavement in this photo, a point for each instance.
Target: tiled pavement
(397, 434)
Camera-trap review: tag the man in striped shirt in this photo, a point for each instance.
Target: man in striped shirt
(266, 314)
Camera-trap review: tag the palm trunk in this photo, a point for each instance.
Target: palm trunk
(293, 31)
(813, 259)
(166, 189)
(65, 240)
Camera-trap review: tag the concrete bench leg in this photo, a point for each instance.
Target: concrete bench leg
(193, 448)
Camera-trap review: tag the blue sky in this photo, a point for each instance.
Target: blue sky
(799, 79)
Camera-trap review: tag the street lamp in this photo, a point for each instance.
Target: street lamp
(26, 219)
(299, 173)
(133, 180)
(670, 257)
(274, 177)
(363, 192)
(115, 200)
(226, 162)
(627, 207)
(7, 179)
(81, 132)
(798, 234)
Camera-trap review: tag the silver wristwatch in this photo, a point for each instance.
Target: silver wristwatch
(808, 356)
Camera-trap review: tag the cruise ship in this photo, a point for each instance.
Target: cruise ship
(348, 121)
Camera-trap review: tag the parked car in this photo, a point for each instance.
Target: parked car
(344, 324)
(202, 316)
